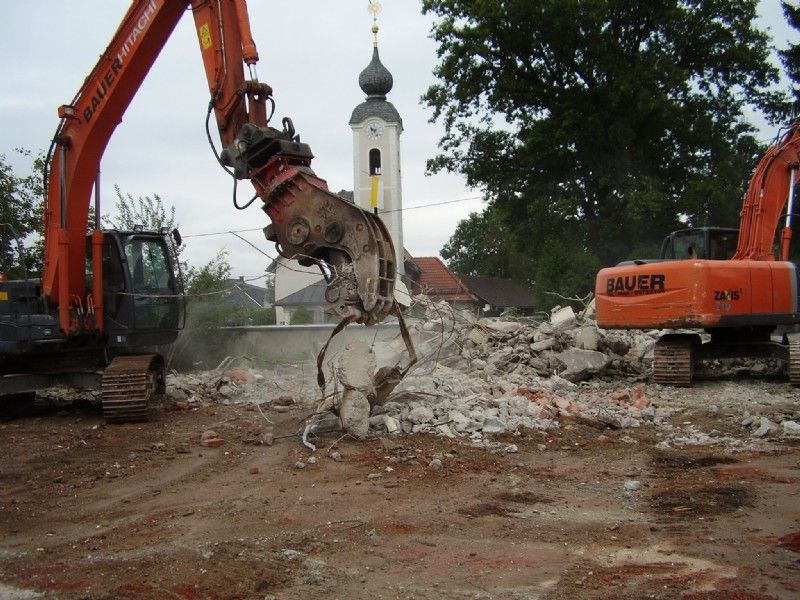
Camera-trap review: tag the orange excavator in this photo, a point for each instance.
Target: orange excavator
(107, 297)
(738, 294)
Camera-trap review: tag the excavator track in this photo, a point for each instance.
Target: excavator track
(129, 383)
(794, 363)
(673, 360)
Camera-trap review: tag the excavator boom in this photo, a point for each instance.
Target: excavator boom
(309, 223)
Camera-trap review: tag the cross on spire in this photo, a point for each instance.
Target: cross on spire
(374, 9)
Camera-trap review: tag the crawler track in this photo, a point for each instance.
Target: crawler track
(794, 363)
(673, 360)
(129, 383)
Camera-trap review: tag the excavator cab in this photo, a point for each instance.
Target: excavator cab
(712, 243)
(141, 296)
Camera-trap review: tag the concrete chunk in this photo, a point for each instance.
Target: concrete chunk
(563, 318)
(581, 364)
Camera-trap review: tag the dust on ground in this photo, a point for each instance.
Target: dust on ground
(690, 505)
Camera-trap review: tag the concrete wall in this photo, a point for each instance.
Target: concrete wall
(269, 343)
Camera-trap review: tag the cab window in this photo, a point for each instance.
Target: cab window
(147, 261)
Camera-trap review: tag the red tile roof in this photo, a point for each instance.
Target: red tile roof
(439, 282)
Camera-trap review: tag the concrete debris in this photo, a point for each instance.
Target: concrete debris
(212, 442)
(390, 423)
(791, 428)
(765, 428)
(491, 376)
(581, 364)
(563, 317)
(354, 413)
(478, 378)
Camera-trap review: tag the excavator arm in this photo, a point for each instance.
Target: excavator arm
(309, 223)
(771, 188)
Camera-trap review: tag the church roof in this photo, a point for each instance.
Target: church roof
(382, 109)
(376, 81)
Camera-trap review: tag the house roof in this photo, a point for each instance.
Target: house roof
(311, 295)
(500, 293)
(245, 294)
(438, 281)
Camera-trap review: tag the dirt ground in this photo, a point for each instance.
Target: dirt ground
(145, 511)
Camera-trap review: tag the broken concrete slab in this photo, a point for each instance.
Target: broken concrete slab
(563, 318)
(581, 364)
(587, 338)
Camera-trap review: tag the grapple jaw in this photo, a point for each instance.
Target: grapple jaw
(351, 246)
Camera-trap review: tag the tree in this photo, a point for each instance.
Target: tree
(605, 123)
(147, 211)
(482, 244)
(21, 199)
(150, 213)
(205, 288)
(790, 57)
(211, 277)
(300, 316)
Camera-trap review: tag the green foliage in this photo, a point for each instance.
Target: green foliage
(207, 304)
(209, 278)
(564, 268)
(602, 123)
(148, 211)
(21, 202)
(790, 57)
(258, 316)
(300, 316)
(479, 245)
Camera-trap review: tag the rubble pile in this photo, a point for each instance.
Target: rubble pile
(240, 384)
(489, 376)
(476, 378)
(568, 345)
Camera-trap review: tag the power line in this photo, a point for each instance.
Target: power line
(380, 212)
(231, 231)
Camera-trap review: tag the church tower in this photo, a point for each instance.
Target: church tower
(377, 126)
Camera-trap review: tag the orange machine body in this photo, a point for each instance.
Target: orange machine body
(702, 294)
(756, 287)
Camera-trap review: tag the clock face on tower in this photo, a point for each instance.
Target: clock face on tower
(374, 130)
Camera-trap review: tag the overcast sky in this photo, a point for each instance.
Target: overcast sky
(311, 54)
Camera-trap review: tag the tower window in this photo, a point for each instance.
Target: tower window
(374, 162)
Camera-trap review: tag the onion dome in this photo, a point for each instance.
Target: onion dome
(375, 80)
